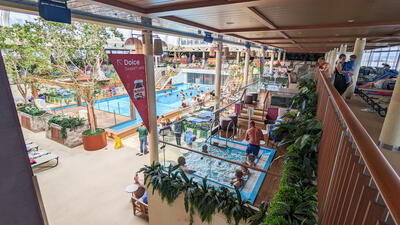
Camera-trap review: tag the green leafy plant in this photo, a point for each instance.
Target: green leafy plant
(31, 109)
(66, 122)
(202, 198)
(295, 202)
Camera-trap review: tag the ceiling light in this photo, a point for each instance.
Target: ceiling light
(350, 21)
(229, 23)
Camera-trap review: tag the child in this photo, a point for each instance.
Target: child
(238, 181)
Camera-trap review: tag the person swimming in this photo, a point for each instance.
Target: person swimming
(238, 180)
(182, 165)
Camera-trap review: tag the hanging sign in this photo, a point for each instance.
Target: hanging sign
(131, 70)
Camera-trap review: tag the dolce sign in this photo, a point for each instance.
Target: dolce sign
(131, 62)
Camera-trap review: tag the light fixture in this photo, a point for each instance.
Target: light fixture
(350, 21)
(229, 23)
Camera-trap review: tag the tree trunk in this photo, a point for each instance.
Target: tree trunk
(35, 94)
(91, 117)
(78, 100)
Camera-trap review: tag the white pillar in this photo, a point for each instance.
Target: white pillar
(333, 59)
(217, 83)
(390, 133)
(238, 57)
(358, 51)
(271, 63)
(151, 92)
(246, 66)
(284, 57)
(343, 49)
(279, 56)
(398, 64)
(5, 18)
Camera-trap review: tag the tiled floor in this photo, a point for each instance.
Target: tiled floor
(373, 123)
(88, 188)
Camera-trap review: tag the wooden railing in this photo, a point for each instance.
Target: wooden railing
(356, 184)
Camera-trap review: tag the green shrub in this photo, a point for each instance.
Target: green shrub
(66, 122)
(31, 109)
(202, 198)
(295, 202)
(89, 132)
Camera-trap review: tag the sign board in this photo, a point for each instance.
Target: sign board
(131, 70)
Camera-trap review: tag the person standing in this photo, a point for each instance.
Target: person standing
(348, 68)
(324, 68)
(340, 75)
(142, 130)
(178, 129)
(253, 136)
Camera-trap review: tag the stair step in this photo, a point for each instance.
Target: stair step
(254, 117)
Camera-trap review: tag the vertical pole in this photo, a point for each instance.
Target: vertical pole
(284, 57)
(151, 90)
(279, 55)
(343, 49)
(237, 57)
(246, 66)
(262, 64)
(271, 63)
(115, 118)
(333, 59)
(203, 61)
(358, 51)
(133, 110)
(390, 134)
(217, 83)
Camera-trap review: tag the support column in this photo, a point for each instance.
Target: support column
(262, 64)
(398, 64)
(151, 90)
(133, 110)
(390, 134)
(343, 49)
(217, 83)
(279, 55)
(238, 57)
(333, 59)
(358, 51)
(284, 57)
(271, 63)
(246, 66)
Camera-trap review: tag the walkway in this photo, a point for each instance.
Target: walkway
(88, 188)
(373, 123)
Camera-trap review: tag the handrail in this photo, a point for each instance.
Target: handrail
(386, 179)
(265, 100)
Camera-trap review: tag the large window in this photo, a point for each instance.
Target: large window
(376, 57)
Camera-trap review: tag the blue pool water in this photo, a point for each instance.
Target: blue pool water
(221, 172)
(166, 101)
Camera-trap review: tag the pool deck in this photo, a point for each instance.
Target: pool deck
(104, 119)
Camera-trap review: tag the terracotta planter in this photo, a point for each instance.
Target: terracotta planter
(95, 142)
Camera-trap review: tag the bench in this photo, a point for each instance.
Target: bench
(139, 207)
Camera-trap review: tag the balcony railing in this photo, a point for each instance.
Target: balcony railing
(356, 184)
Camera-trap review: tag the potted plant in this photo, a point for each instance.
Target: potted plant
(31, 117)
(78, 50)
(66, 130)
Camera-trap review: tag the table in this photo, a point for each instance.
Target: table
(131, 188)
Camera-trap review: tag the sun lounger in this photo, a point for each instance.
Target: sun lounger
(45, 159)
(32, 146)
(37, 154)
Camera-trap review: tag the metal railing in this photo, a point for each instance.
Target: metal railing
(356, 184)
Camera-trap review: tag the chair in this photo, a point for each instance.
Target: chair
(272, 115)
(139, 207)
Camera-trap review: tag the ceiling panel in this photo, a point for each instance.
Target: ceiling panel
(261, 34)
(220, 17)
(154, 3)
(344, 31)
(312, 12)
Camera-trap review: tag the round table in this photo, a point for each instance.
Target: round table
(131, 188)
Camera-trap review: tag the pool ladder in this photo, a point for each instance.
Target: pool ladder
(226, 132)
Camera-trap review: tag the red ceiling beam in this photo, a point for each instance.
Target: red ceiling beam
(388, 36)
(190, 23)
(123, 5)
(192, 5)
(313, 27)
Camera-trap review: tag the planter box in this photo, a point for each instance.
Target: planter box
(74, 137)
(96, 142)
(160, 212)
(33, 123)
